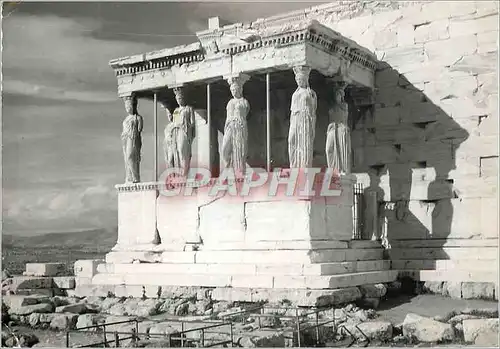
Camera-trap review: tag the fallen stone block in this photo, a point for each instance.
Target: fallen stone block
(16, 301)
(376, 330)
(78, 308)
(35, 308)
(64, 322)
(424, 329)
(64, 282)
(30, 282)
(478, 290)
(482, 332)
(47, 292)
(44, 269)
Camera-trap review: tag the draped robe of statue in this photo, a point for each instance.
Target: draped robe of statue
(132, 144)
(338, 138)
(179, 135)
(235, 141)
(302, 127)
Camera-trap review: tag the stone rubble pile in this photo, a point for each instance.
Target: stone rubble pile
(350, 322)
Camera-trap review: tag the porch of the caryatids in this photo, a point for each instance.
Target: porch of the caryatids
(302, 120)
(235, 140)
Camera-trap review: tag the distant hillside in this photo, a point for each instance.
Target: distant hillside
(97, 239)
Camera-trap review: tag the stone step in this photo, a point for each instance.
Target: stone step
(246, 269)
(455, 275)
(434, 253)
(445, 264)
(252, 281)
(422, 243)
(248, 257)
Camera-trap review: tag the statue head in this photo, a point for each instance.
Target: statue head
(302, 76)
(130, 104)
(339, 96)
(236, 85)
(339, 91)
(180, 96)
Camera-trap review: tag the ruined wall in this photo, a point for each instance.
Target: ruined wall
(431, 144)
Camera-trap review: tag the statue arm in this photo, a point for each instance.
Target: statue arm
(192, 123)
(140, 123)
(247, 107)
(315, 100)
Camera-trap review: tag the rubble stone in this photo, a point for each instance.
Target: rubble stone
(481, 331)
(426, 330)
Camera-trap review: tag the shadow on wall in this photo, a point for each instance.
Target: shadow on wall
(407, 145)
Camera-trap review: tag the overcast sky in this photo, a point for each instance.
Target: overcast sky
(61, 115)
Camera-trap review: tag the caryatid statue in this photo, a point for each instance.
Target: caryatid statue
(338, 135)
(131, 140)
(235, 141)
(179, 134)
(302, 120)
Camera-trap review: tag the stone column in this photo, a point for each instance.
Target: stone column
(132, 140)
(179, 134)
(235, 141)
(302, 121)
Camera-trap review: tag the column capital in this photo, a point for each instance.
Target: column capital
(302, 70)
(237, 78)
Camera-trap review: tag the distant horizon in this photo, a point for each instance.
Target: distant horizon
(30, 233)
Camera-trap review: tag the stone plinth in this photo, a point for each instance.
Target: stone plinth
(255, 241)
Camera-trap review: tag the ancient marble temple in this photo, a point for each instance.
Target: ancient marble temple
(265, 95)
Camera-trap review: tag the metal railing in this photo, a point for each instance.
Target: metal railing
(176, 339)
(105, 333)
(300, 318)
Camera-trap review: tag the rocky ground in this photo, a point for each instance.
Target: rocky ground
(400, 320)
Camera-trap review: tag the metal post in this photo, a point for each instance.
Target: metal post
(155, 137)
(67, 339)
(317, 328)
(268, 122)
(298, 326)
(134, 336)
(105, 336)
(117, 340)
(182, 334)
(209, 125)
(231, 334)
(202, 338)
